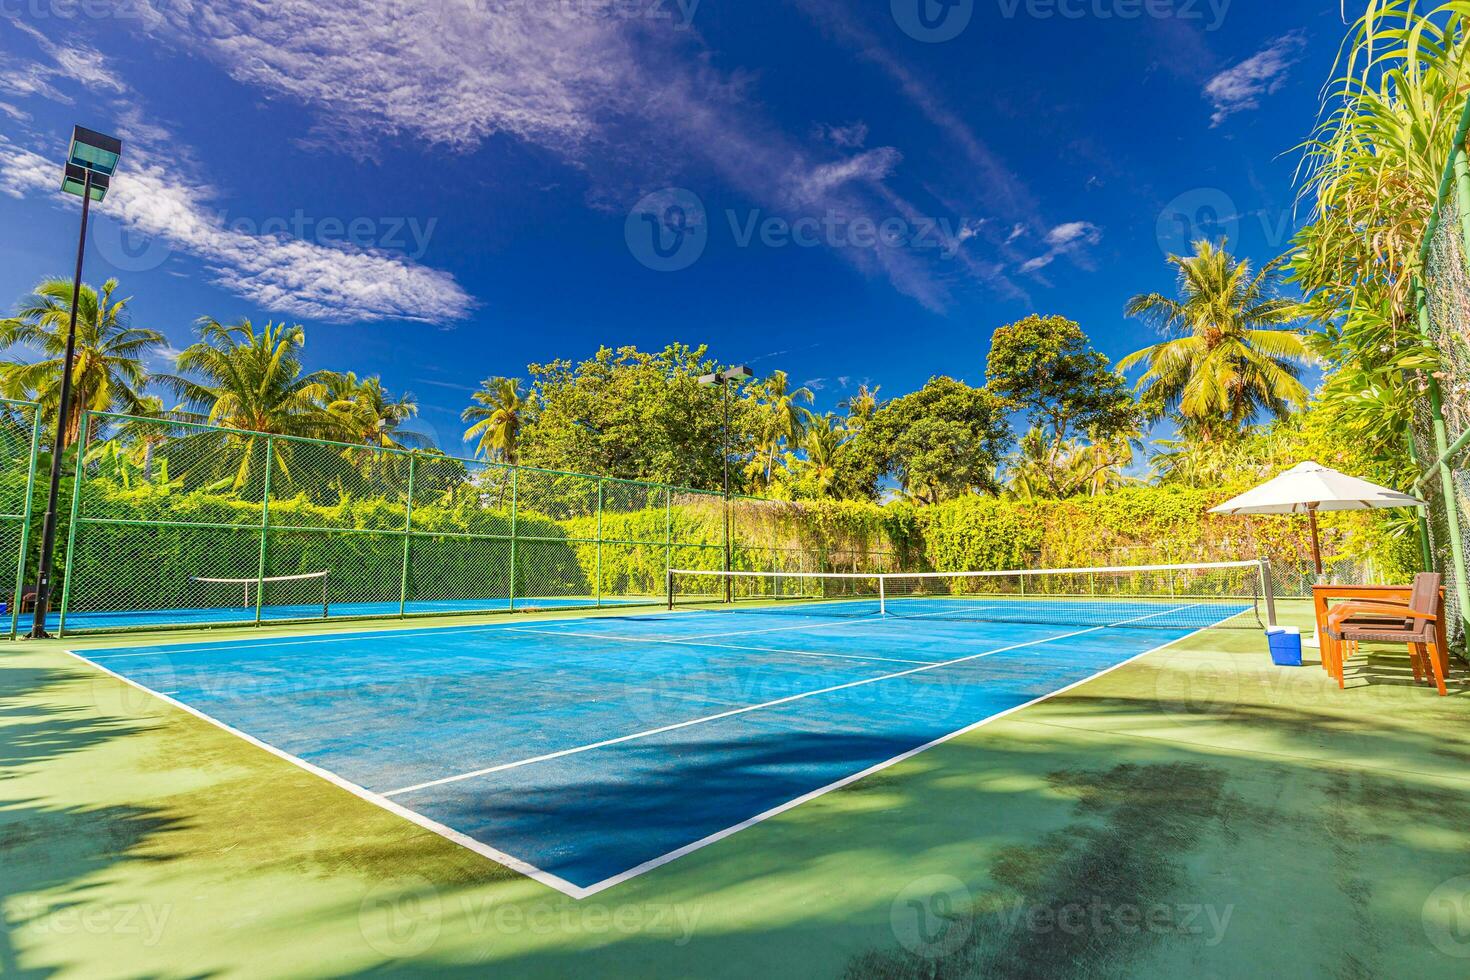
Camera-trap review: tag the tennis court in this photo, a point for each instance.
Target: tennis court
(585, 751)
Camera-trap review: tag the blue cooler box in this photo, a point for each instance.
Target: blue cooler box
(1286, 645)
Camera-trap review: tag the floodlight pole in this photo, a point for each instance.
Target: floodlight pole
(48, 528)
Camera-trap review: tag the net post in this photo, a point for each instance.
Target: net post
(1267, 592)
(326, 594)
(669, 586)
(882, 595)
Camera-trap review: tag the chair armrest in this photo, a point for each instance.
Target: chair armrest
(1346, 609)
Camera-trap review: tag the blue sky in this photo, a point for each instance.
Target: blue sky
(852, 192)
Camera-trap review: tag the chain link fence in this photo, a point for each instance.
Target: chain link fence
(177, 523)
(20, 440)
(1441, 417)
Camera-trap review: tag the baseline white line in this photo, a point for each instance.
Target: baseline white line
(604, 743)
(721, 646)
(719, 835)
(449, 833)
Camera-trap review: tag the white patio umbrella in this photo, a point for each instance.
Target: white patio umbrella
(1310, 487)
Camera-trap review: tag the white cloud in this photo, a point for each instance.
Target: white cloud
(1068, 238)
(849, 137)
(874, 165)
(1240, 87)
(283, 275)
(72, 62)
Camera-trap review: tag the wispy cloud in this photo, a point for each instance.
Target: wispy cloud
(76, 63)
(630, 101)
(849, 137)
(282, 275)
(1241, 86)
(1069, 238)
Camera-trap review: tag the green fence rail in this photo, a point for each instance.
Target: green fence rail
(177, 524)
(20, 443)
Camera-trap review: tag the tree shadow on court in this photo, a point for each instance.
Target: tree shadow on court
(47, 846)
(1041, 849)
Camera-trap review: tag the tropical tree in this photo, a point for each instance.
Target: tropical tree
(499, 413)
(1371, 171)
(860, 406)
(249, 379)
(943, 440)
(1232, 355)
(108, 372)
(781, 418)
(816, 473)
(363, 412)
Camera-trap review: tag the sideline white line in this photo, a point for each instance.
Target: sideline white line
(449, 833)
(720, 835)
(721, 646)
(489, 770)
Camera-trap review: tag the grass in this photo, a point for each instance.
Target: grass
(1197, 810)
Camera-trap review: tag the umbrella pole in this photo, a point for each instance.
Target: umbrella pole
(1316, 544)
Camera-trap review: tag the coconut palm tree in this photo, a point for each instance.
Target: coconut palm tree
(780, 416)
(363, 412)
(498, 414)
(249, 379)
(861, 406)
(1231, 356)
(822, 444)
(108, 372)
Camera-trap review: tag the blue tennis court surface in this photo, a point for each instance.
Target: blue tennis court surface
(584, 751)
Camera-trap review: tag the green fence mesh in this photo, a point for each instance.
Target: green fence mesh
(1442, 412)
(176, 523)
(20, 435)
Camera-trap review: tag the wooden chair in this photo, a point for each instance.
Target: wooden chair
(1415, 624)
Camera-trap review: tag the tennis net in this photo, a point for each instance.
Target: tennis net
(1236, 593)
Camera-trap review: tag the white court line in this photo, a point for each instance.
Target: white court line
(774, 811)
(449, 833)
(488, 770)
(720, 646)
(560, 884)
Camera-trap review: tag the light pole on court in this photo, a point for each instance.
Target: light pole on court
(723, 378)
(90, 161)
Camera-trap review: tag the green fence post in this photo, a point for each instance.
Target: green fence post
(1446, 476)
(265, 524)
(25, 522)
(1421, 514)
(83, 438)
(668, 529)
(515, 483)
(597, 589)
(407, 538)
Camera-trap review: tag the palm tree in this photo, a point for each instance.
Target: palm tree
(780, 416)
(1230, 358)
(251, 380)
(822, 444)
(363, 412)
(498, 414)
(861, 406)
(108, 372)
